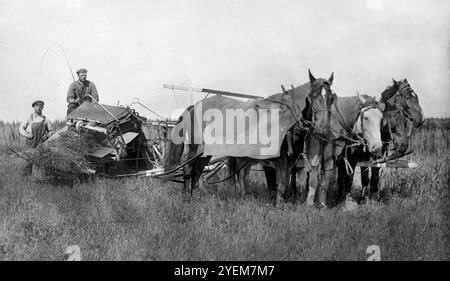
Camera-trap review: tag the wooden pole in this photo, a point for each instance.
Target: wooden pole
(393, 164)
(211, 91)
(189, 85)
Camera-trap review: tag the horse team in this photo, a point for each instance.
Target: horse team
(330, 135)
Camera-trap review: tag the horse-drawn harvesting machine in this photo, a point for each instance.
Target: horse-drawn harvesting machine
(116, 141)
(109, 141)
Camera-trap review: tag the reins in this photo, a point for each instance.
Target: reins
(227, 178)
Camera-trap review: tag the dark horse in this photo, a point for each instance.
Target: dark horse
(319, 100)
(401, 109)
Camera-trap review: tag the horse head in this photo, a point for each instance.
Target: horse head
(400, 96)
(401, 108)
(368, 123)
(321, 98)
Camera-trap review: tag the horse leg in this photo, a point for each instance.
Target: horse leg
(302, 184)
(282, 177)
(197, 171)
(244, 181)
(291, 193)
(323, 187)
(242, 176)
(271, 175)
(187, 175)
(230, 169)
(326, 173)
(374, 182)
(186, 180)
(313, 184)
(342, 178)
(365, 179)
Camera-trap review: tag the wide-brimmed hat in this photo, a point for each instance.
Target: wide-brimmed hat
(37, 102)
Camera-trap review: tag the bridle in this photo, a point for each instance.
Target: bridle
(361, 115)
(405, 91)
(317, 87)
(303, 124)
(356, 138)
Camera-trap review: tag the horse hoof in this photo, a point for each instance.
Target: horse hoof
(280, 199)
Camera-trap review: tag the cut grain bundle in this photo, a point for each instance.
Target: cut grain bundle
(64, 159)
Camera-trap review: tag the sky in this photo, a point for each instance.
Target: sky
(131, 48)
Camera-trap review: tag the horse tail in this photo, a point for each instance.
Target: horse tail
(173, 155)
(174, 151)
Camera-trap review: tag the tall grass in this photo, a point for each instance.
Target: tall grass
(10, 137)
(141, 219)
(432, 138)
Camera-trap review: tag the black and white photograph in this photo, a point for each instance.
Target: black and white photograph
(247, 132)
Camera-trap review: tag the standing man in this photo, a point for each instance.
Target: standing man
(36, 127)
(79, 90)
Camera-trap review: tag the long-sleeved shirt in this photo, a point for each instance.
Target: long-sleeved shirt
(79, 90)
(25, 126)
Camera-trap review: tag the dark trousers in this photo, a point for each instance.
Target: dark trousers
(71, 107)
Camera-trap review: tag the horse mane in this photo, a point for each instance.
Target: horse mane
(307, 111)
(349, 108)
(388, 93)
(370, 101)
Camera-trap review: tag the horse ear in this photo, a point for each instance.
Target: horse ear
(361, 98)
(292, 91)
(395, 82)
(311, 77)
(331, 78)
(405, 80)
(284, 90)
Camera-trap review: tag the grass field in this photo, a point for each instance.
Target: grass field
(141, 219)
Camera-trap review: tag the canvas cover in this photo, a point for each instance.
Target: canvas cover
(93, 111)
(240, 142)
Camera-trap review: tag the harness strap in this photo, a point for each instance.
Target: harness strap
(216, 169)
(179, 166)
(308, 165)
(289, 138)
(348, 167)
(230, 176)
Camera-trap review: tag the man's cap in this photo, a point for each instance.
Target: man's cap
(81, 70)
(37, 102)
